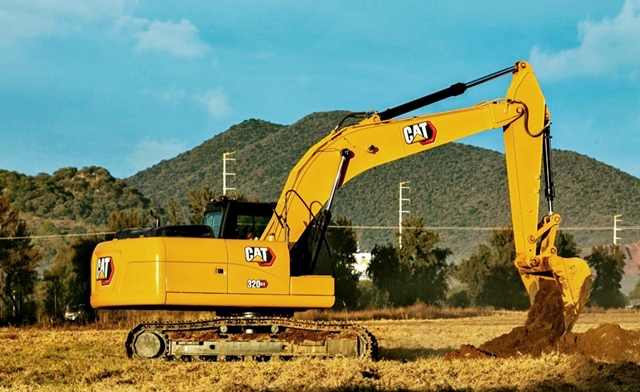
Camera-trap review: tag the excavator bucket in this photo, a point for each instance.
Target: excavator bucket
(573, 277)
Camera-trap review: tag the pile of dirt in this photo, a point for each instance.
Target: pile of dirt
(609, 342)
(543, 333)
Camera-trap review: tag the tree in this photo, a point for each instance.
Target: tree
(417, 271)
(428, 264)
(634, 295)
(80, 287)
(127, 219)
(608, 263)
(197, 202)
(68, 282)
(18, 262)
(57, 281)
(174, 211)
(491, 277)
(386, 273)
(566, 245)
(342, 244)
(458, 297)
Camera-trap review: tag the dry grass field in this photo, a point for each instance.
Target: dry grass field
(412, 359)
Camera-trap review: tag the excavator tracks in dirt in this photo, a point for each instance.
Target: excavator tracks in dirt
(258, 338)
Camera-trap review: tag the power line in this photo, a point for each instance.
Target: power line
(485, 228)
(434, 228)
(39, 237)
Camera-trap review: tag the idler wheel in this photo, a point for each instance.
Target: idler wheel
(148, 345)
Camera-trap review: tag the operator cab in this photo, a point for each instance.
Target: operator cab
(223, 218)
(232, 219)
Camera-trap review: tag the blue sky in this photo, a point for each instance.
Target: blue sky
(124, 84)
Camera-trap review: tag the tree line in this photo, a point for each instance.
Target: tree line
(418, 271)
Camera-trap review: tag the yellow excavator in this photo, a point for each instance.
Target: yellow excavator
(255, 285)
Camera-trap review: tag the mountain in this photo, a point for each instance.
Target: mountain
(264, 154)
(461, 187)
(84, 197)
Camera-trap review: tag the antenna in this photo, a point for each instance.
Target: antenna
(400, 210)
(225, 158)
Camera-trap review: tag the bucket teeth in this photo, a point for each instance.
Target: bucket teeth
(573, 278)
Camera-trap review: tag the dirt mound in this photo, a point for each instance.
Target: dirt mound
(608, 341)
(543, 333)
(468, 351)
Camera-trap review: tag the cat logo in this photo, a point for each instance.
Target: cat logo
(258, 254)
(105, 270)
(423, 133)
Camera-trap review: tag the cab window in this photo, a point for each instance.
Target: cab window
(213, 220)
(255, 223)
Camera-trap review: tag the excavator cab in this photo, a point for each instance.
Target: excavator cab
(234, 219)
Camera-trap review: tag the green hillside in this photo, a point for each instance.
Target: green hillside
(85, 196)
(203, 164)
(456, 185)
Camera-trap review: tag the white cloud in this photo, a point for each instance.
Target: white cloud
(22, 20)
(28, 19)
(608, 46)
(178, 39)
(148, 152)
(168, 96)
(215, 101)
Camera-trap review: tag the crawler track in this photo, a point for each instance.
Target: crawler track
(261, 338)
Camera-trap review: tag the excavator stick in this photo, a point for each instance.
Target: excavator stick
(527, 148)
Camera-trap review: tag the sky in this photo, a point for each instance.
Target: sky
(124, 84)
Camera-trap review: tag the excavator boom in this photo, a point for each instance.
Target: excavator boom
(379, 139)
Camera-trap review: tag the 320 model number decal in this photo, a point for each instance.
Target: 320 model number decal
(257, 284)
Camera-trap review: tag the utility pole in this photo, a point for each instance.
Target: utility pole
(225, 158)
(401, 211)
(616, 219)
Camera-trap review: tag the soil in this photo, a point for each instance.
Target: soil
(543, 333)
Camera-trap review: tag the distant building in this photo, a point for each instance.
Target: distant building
(361, 264)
